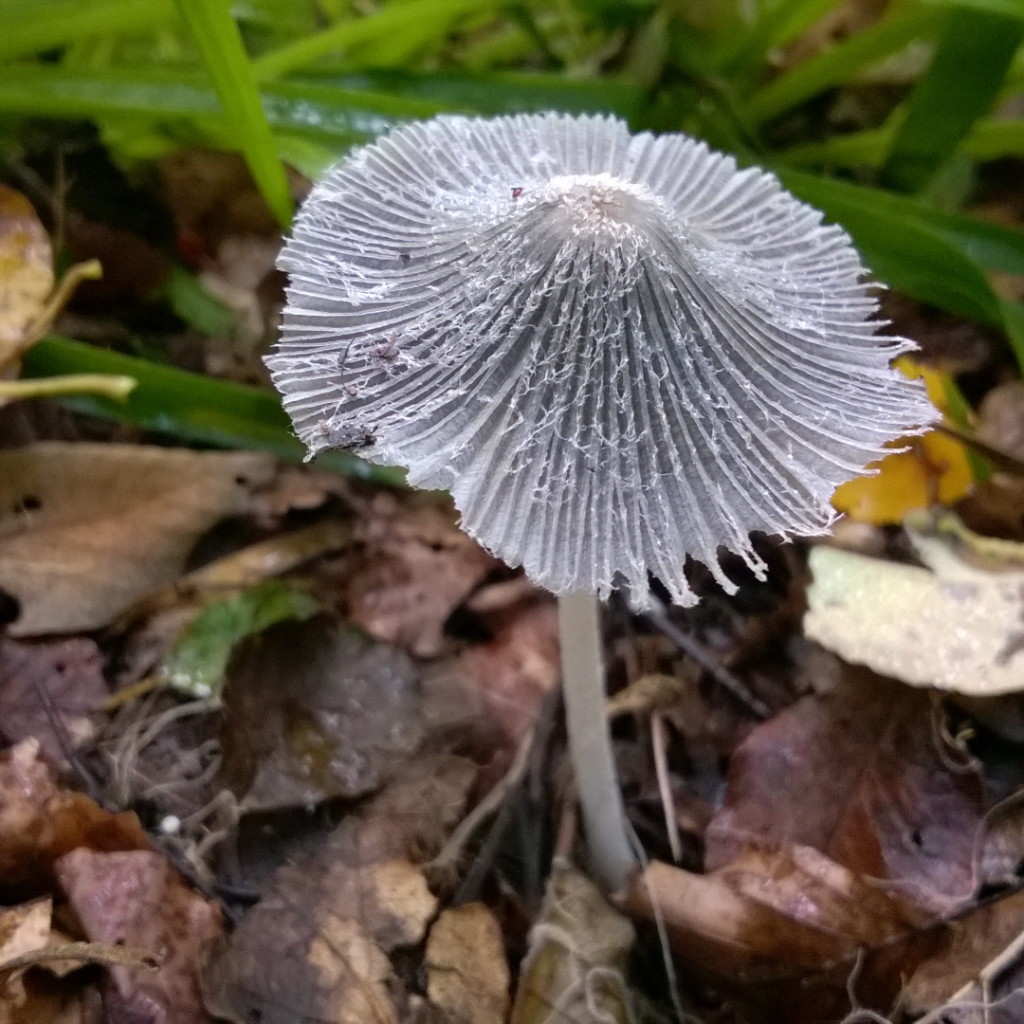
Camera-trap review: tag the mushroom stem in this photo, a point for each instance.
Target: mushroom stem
(590, 746)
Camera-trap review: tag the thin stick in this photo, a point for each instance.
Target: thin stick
(590, 745)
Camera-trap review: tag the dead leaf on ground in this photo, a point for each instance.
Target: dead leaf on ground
(491, 693)
(59, 677)
(467, 971)
(410, 568)
(865, 776)
(23, 929)
(956, 625)
(40, 822)
(315, 710)
(784, 931)
(316, 946)
(86, 529)
(136, 899)
(26, 271)
(575, 969)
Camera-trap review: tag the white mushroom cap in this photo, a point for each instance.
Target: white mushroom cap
(614, 350)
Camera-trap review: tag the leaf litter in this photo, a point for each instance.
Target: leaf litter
(851, 845)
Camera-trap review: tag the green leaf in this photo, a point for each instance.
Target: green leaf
(425, 19)
(32, 26)
(960, 85)
(902, 248)
(195, 305)
(197, 662)
(840, 64)
(190, 407)
(220, 44)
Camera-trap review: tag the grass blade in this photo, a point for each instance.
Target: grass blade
(960, 85)
(220, 45)
(189, 406)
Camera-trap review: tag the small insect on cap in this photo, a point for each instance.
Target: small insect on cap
(614, 350)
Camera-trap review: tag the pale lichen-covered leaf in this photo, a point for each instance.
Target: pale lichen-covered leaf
(615, 351)
(957, 625)
(86, 529)
(26, 271)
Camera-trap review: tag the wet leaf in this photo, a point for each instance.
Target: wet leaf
(86, 529)
(315, 710)
(137, 900)
(39, 822)
(467, 972)
(575, 969)
(315, 948)
(26, 272)
(196, 663)
(412, 568)
(62, 678)
(866, 777)
(955, 625)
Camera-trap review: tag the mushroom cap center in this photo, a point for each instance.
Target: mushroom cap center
(596, 205)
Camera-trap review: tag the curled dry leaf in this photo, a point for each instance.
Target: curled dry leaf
(956, 625)
(866, 777)
(54, 677)
(575, 969)
(137, 900)
(315, 947)
(467, 972)
(40, 822)
(315, 710)
(86, 529)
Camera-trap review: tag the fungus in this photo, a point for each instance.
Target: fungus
(615, 351)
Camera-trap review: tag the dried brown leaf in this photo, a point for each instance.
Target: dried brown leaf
(315, 947)
(40, 822)
(315, 710)
(26, 271)
(865, 776)
(86, 529)
(136, 899)
(63, 678)
(467, 972)
(575, 969)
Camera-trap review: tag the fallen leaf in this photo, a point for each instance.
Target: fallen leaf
(865, 776)
(196, 663)
(467, 973)
(62, 678)
(957, 625)
(137, 900)
(26, 272)
(410, 568)
(315, 710)
(935, 469)
(24, 928)
(40, 822)
(86, 529)
(314, 949)
(575, 968)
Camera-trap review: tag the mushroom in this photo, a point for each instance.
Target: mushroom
(615, 351)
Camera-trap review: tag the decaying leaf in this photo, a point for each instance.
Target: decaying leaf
(40, 822)
(865, 776)
(575, 969)
(26, 271)
(196, 663)
(85, 529)
(315, 947)
(957, 625)
(411, 568)
(316, 710)
(59, 679)
(136, 899)
(23, 929)
(467, 973)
